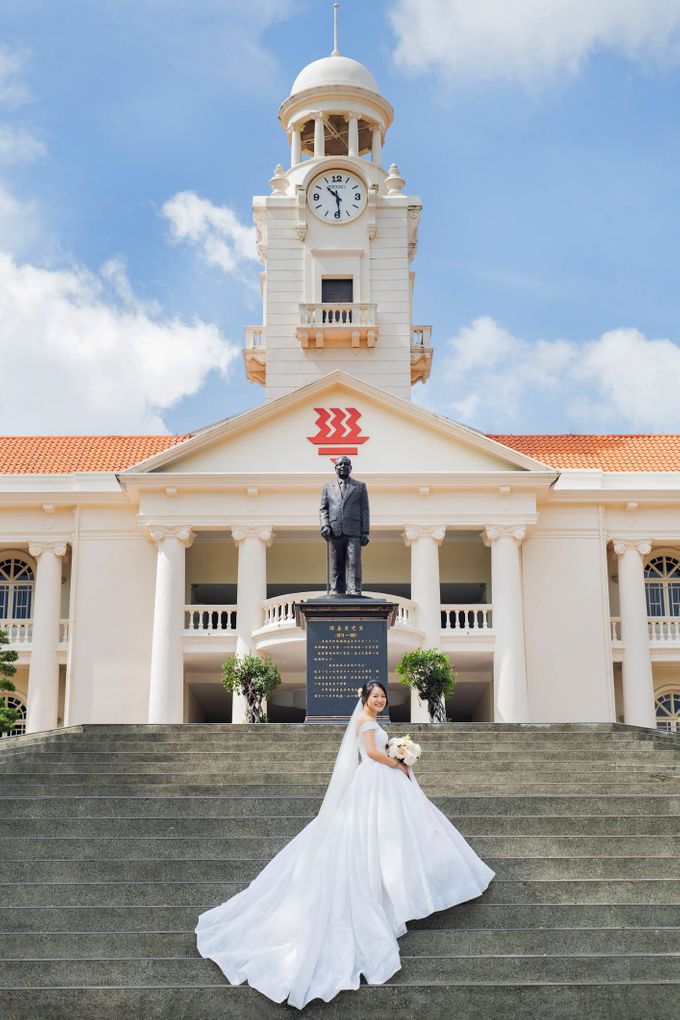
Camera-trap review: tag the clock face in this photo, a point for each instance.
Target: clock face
(337, 196)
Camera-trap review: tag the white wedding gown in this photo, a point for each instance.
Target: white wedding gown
(331, 905)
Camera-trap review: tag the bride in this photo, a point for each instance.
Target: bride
(331, 905)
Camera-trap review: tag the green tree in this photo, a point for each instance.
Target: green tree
(430, 673)
(254, 678)
(8, 716)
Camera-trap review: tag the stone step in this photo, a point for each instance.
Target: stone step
(460, 786)
(328, 745)
(226, 763)
(511, 969)
(602, 891)
(649, 805)
(290, 824)
(191, 868)
(76, 848)
(622, 1000)
(477, 914)
(433, 942)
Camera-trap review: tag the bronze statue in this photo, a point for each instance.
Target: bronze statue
(345, 526)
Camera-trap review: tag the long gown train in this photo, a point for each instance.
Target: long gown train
(331, 905)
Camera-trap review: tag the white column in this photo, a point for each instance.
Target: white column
(511, 702)
(43, 675)
(353, 135)
(166, 686)
(376, 149)
(638, 683)
(319, 139)
(295, 146)
(251, 593)
(425, 592)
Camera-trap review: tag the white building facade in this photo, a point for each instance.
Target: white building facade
(547, 568)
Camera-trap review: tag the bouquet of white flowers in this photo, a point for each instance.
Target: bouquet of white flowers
(403, 749)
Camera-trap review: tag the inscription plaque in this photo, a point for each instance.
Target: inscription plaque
(346, 648)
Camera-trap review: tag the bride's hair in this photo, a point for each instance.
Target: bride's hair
(367, 688)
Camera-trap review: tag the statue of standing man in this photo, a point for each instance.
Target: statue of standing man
(345, 525)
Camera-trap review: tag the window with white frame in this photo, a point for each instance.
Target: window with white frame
(17, 581)
(17, 702)
(662, 585)
(668, 711)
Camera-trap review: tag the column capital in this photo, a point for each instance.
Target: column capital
(492, 533)
(241, 531)
(182, 533)
(319, 115)
(624, 545)
(36, 549)
(413, 532)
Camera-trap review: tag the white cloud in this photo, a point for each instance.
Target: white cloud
(213, 230)
(17, 145)
(13, 91)
(621, 381)
(529, 40)
(79, 353)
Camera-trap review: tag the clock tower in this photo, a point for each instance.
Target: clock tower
(336, 236)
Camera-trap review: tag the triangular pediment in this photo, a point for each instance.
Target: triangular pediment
(304, 431)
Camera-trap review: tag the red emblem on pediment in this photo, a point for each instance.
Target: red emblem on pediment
(339, 431)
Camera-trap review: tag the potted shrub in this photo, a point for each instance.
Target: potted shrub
(8, 716)
(429, 672)
(254, 678)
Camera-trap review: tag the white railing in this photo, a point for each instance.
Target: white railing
(661, 629)
(280, 611)
(421, 336)
(255, 337)
(20, 632)
(343, 313)
(209, 619)
(466, 618)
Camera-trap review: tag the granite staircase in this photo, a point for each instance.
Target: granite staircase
(115, 838)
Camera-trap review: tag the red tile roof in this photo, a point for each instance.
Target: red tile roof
(605, 453)
(66, 454)
(38, 455)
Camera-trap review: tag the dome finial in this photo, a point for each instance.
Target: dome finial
(336, 51)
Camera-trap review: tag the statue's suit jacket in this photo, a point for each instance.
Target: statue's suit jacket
(348, 516)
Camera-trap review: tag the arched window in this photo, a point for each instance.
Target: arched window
(662, 585)
(17, 580)
(668, 711)
(15, 701)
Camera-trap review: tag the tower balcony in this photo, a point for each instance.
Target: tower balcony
(337, 324)
(421, 353)
(255, 354)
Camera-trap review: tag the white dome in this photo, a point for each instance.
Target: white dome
(334, 71)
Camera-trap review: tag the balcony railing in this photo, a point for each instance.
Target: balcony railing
(421, 353)
(20, 632)
(342, 321)
(255, 354)
(466, 618)
(662, 630)
(280, 611)
(209, 619)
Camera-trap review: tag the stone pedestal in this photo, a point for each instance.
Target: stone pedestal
(346, 648)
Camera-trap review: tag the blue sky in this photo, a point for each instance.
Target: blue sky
(543, 138)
